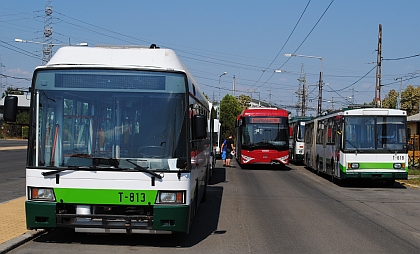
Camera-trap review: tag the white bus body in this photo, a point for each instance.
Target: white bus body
(359, 143)
(118, 143)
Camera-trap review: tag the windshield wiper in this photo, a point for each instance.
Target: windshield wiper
(96, 161)
(63, 169)
(357, 150)
(142, 169)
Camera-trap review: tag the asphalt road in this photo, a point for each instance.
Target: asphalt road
(12, 169)
(273, 211)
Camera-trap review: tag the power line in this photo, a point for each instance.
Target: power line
(287, 40)
(300, 45)
(400, 58)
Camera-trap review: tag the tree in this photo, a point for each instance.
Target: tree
(244, 101)
(229, 110)
(410, 100)
(390, 100)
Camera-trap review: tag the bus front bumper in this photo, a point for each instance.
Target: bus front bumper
(164, 219)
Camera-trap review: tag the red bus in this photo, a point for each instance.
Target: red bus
(262, 137)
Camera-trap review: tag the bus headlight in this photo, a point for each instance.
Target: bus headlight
(353, 165)
(44, 194)
(398, 165)
(171, 197)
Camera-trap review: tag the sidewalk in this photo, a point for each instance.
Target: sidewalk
(13, 230)
(12, 148)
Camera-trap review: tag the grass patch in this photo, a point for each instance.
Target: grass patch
(415, 181)
(414, 172)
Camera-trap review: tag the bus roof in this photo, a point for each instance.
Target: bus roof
(116, 57)
(264, 112)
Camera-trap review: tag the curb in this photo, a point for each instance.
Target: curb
(17, 241)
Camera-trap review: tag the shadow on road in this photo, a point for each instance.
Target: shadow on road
(360, 183)
(204, 224)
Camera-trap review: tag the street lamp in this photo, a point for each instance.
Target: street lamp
(320, 79)
(220, 77)
(48, 51)
(43, 43)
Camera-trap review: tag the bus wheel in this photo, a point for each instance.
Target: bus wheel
(332, 170)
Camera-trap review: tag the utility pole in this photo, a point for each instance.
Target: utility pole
(47, 42)
(1, 79)
(399, 93)
(320, 94)
(302, 79)
(233, 86)
(379, 70)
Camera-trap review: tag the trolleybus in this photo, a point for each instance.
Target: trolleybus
(262, 137)
(118, 142)
(359, 143)
(297, 136)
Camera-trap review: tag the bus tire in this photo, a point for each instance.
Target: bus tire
(332, 170)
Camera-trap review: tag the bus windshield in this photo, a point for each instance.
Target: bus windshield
(258, 133)
(379, 133)
(85, 114)
(301, 132)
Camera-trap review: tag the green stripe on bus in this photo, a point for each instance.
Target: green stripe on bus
(105, 196)
(372, 165)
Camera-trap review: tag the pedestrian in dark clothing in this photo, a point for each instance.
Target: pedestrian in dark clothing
(230, 150)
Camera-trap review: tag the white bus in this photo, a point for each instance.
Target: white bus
(118, 142)
(297, 137)
(359, 143)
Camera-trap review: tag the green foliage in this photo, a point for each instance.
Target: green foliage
(17, 130)
(390, 100)
(410, 98)
(244, 101)
(229, 110)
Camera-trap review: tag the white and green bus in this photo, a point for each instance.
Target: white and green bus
(358, 142)
(118, 142)
(296, 138)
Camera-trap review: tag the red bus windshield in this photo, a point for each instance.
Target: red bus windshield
(264, 132)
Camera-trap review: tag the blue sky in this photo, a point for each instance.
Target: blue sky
(246, 39)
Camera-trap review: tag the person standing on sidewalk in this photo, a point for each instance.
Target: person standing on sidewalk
(223, 149)
(230, 150)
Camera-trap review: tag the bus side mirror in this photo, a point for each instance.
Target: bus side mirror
(199, 126)
(10, 109)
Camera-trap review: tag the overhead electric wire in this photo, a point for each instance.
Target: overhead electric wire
(13, 77)
(357, 80)
(23, 52)
(300, 45)
(287, 40)
(400, 58)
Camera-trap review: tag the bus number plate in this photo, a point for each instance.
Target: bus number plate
(398, 157)
(133, 197)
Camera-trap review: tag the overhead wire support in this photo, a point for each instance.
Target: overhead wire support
(379, 70)
(47, 42)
